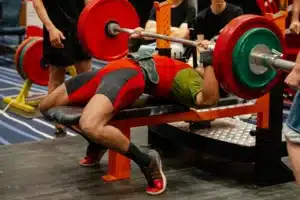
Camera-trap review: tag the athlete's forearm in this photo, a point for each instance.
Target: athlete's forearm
(43, 15)
(210, 87)
(296, 10)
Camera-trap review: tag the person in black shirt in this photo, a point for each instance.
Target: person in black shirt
(210, 21)
(61, 47)
(181, 13)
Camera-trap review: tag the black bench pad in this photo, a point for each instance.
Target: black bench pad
(146, 106)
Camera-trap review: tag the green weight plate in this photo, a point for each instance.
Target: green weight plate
(241, 57)
(21, 57)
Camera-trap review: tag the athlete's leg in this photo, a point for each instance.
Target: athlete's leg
(118, 90)
(72, 92)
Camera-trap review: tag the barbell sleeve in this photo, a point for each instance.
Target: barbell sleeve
(274, 61)
(283, 64)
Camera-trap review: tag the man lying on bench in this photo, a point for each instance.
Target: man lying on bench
(118, 85)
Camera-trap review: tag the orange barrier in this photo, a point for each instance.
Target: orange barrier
(119, 167)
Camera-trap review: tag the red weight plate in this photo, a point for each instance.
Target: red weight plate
(34, 31)
(32, 64)
(224, 49)
(80, 29)
(17, 55)
(92, 23)
(217, 54)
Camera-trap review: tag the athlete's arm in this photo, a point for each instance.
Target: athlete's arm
(209, 95)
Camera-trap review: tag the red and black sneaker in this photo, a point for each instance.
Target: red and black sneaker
(155, 176)
(91, 159)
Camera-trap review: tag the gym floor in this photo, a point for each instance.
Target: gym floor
(36, 166)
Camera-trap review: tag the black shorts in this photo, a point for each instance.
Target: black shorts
(62, 57)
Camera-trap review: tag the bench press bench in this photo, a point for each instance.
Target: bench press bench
(145, 111)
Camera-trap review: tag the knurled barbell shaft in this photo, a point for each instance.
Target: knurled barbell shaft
(159, 36)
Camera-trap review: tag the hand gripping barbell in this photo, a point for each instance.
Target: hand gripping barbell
(247, 57)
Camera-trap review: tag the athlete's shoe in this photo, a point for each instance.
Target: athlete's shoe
(92, 158)
(154, 174)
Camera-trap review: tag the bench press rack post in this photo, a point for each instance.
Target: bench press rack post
(163, 26)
